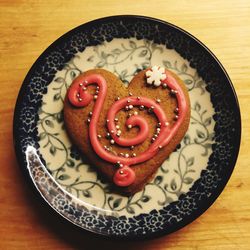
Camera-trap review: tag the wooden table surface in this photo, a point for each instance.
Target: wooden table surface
(28, 27)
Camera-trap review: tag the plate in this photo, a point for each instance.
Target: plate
(186, 184)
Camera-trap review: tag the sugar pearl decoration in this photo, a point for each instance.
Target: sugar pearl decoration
(112, 141)
(129, 126)
(95, 97)
(130, 106)
(173, 92)
(126, 155)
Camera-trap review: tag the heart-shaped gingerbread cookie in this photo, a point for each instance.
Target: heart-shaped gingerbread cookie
(127, 132)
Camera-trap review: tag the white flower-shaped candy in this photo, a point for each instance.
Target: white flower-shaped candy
(155, 75)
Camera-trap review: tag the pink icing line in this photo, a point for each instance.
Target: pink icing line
(166, 134)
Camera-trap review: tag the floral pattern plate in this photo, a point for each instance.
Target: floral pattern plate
(188, 181)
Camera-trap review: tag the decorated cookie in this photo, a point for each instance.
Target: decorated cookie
(127, 133)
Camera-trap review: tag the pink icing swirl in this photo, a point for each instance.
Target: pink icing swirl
(80, 97)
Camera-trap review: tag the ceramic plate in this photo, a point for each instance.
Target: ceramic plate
(185, 185)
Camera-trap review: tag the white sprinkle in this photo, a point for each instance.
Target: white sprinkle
(77, 95)
(88, 120)
(84, 88)
(158, 100)
(107, 120)
(80, 99)
(128, 101)
(80, 84)
(134, 154)
(129, 126)
(126, 155)
(164, 85)
(141, 107)
(90, 113)
(117, 126)
(126, 107)
(176, 117)
(117, 98)
(95, 97)
(116, 119)
(112, 132)
(135, 113)
(121, 172)
(112, 141)
(132, 147)
(130, 106)
(99, 136)
(130, 94)
(85, 81)
(160, 147)
(166, 124)
(138, 97)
